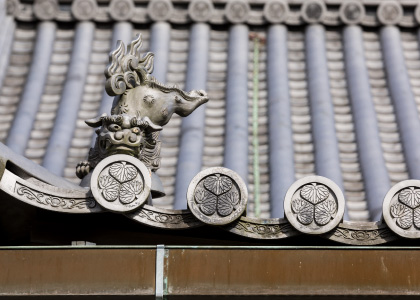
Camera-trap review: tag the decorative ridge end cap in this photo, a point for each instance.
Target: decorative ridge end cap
(45, 10)
(390, 12)
(401, 209)
(276, 11)
(160, 10)
(200, 10)
(313, 11)
(121, 10)
(352, 12)
(217, 196)
(237, 11)
(84, 10)
(121, 183)
(314, 205)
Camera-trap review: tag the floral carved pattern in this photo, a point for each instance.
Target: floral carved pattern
(217, 193)
(162, 218)
(119, 182)
(54, 201)
(314, 205)
(263, 230)
(364, 236)
(406, 211)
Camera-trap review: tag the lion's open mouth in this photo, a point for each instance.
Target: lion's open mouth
(110, 149)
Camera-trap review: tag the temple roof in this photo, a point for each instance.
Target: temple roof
(311, 88)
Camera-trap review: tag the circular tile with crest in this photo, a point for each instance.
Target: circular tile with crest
(217, 196)
(120, 183)
(352, 12)
(313, 11)
(401, 209)
(276, 11)
(390, 12)
(314, 205)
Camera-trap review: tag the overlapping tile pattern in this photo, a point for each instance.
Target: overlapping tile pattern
(410, 45)
(299, 101)
(89, 106)
(354, 186)
(388, 127)
(15, 77)
(349, 159)
(215, 109)
(46, 115)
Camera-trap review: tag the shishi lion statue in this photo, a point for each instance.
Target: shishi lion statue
(141, 108)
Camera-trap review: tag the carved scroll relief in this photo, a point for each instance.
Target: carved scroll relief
(164, 218)
(48, 197)
(256, 228)
(53, 201)
(314, 205)
(217, 196)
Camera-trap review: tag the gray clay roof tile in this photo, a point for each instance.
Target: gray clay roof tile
(303, 115)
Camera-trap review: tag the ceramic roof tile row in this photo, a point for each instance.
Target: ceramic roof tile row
(31, 97)
(236, 128)
(50, 100)
(215, 108)
(388, 127)
(301, 117)
(214, 132)
(93, 90)
(410, 45)
(60, 142)
(402, 96)
(190, 156)
(7, 31)
(280, 135)
(349, 159)
(14, 80)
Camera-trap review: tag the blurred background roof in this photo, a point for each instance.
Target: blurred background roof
(296, 88)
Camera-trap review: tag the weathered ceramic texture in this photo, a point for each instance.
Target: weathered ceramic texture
(45, 10)
(76, 200)
(314, 205)
(352, 12)
(417, 14)
(390, 12)
(129, 75)
(200, 10)
(164, 218)
(121, 10)
(160, 10)
(237, 11)
(401, 209)
(217, 196)
(43, 195)
(84, 10)
(121, 183)
(313, 11)
(276, 11)
(262, 229)
(142, 107)
(361, 233)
